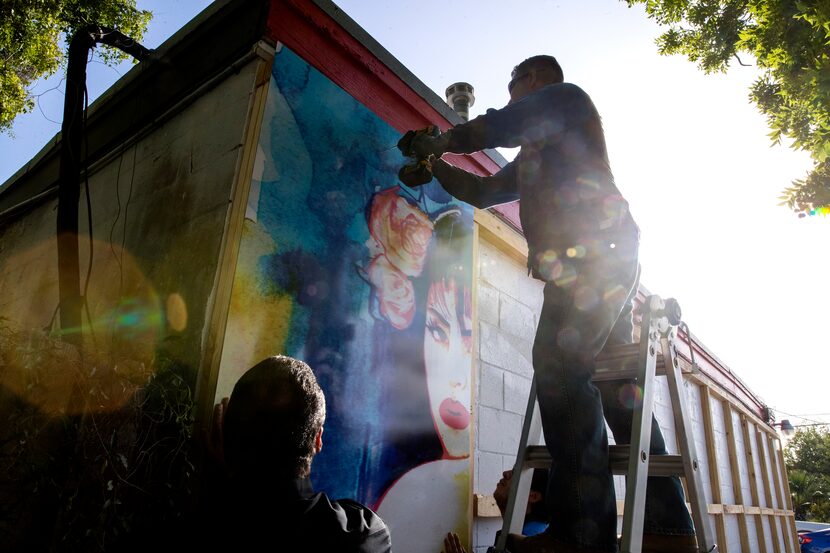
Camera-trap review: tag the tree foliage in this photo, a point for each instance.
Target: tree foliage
(807, 457)
(34, 35)
(790, 42)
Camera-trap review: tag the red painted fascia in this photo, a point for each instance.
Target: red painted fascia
(716, 371)
(311, 33)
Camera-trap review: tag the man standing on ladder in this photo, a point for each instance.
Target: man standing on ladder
(583, 244)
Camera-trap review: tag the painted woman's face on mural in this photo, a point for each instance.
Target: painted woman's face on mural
(448, 361)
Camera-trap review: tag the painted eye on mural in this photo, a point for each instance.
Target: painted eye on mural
(467, 339)
(438, 327)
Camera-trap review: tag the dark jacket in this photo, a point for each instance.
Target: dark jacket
(290, 516)
(570, 206)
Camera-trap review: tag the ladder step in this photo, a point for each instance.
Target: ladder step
(537, 456)
(622, 363)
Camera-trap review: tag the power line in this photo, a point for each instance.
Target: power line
(803, 417)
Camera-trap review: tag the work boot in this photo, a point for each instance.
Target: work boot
(667, 543)
(543, 543)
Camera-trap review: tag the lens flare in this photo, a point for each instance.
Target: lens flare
(176, 312)
(123, 321)
(586, 298)
(566, 275)
(824, 211)
(615, 293)
(630, 396)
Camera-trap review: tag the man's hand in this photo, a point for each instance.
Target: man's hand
(423, 143)
(452, 544)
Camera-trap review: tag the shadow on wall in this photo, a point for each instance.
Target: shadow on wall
(95, 452)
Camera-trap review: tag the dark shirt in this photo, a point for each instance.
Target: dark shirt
(569, 200)
(290, 516)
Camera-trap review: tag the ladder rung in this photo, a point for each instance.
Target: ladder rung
(537, 456)
(622, 363)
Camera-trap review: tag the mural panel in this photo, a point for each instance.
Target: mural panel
(370, 283)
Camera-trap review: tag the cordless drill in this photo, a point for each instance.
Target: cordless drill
(419, 171)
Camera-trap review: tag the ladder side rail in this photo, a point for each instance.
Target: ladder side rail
(686, 444)
(514, 515)
(640, 443)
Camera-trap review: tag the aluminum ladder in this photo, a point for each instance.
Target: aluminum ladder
(641, 362)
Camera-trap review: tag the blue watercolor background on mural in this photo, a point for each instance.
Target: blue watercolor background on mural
(328, 156)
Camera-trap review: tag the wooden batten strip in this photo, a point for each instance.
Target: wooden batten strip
(789, 502)
(729, 429)
(777, 476)
(734, 509)
(714, 466)
(765, 475)
(472, 506)
(753, 485)
(503, 236)
(219, 306)
(484, 506)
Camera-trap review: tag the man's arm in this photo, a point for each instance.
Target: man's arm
(543, 115)
(481, 192)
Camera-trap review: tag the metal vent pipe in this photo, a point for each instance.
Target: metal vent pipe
(461, 98)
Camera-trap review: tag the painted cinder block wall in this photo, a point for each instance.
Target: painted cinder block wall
(508, 306)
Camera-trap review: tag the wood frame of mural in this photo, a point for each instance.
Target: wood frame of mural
(760, 517)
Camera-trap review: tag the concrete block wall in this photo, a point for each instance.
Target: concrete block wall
(508, 305)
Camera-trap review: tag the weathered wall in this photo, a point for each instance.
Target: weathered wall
(158, 217)
(105, 440)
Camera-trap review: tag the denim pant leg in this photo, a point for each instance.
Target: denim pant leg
(575, 322)
(665, 511)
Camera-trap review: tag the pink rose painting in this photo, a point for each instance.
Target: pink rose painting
(394, 291)
(402, 230)
(400, 237)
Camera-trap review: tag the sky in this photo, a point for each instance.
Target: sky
(688, 150)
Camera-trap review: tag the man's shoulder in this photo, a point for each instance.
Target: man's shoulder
(568, 90)
(347, 521)
(359, 514)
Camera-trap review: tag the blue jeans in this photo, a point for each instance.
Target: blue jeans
(578, 316)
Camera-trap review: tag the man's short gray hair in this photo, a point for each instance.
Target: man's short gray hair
(274, 415)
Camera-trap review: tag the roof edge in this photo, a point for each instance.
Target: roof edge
(391, 62)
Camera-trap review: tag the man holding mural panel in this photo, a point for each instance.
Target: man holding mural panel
(583, 243)
(270, 432)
